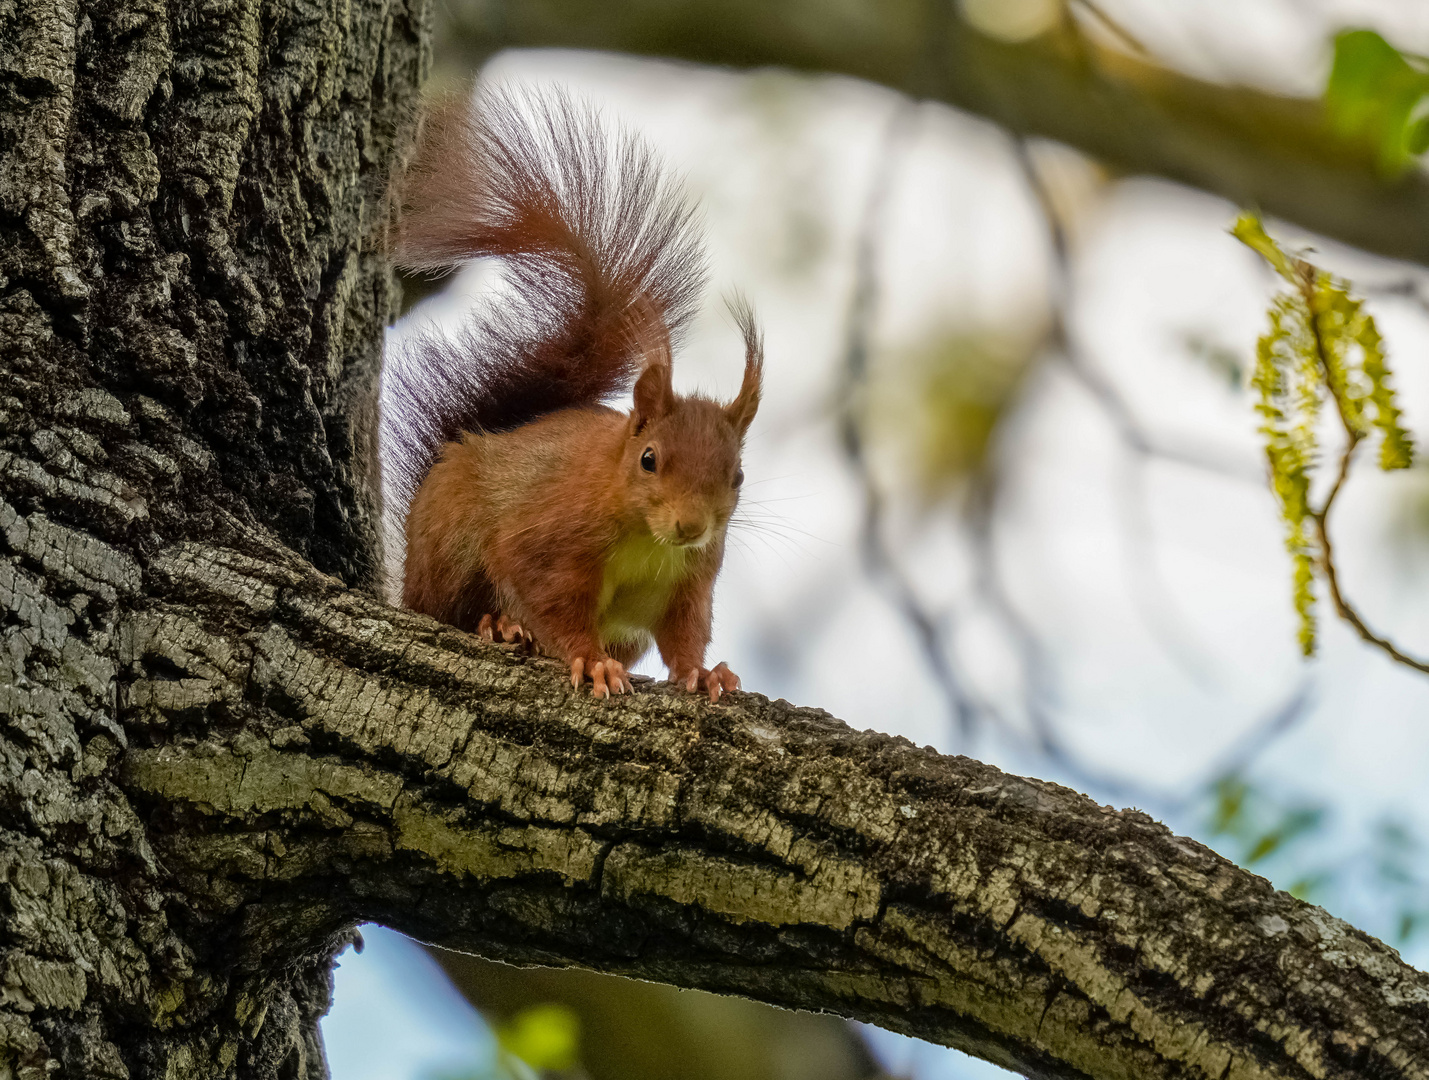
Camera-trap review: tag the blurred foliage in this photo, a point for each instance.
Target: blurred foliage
(1259, 827)
(1401, 862)
(1220, 359)
(1013, 20)
(1382, 885)
(499, 1068)
(491, 1071)
(541, 1039)
(937, 410)
(544, 1036)
(1322, 345)
(630, 1030)
(790, 218)
(1380, 96)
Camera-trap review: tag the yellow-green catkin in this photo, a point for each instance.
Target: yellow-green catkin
(1321, 344)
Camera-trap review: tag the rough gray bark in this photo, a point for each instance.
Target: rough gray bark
(191, 310)
(215, 759)
(1259, 150)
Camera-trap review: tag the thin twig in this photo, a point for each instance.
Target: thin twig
(1149, 585)
(1039, 695)
(1039, 672)
(1114, 27)
(1293, 708)
(1347, 611)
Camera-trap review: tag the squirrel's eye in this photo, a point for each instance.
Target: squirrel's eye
(738, 477)
(647, 459)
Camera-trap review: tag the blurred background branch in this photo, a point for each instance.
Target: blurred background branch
(928, 630)
(631, 1030)
(1067, 82)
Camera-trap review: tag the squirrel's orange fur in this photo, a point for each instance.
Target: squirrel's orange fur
(538, 511)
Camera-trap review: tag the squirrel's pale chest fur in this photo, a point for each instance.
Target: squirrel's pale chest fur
(639, 577)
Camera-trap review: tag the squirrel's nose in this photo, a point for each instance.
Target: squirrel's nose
(689, 530)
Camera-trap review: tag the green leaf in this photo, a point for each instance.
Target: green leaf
(543, 1036)
(1266, 845)
(1306, 887)
(1293, 824)
(1231, 792)
(1416, 136)
(1372, 96)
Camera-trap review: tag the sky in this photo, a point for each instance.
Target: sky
(1159, 591)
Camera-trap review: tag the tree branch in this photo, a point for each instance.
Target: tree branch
(388, 768)
(1253, 148)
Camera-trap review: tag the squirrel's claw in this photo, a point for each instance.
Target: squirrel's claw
(607, 677)
(623, 685)
(500, 628)
(510, 630)
(715, 681)
(610, 677)
(728, 680)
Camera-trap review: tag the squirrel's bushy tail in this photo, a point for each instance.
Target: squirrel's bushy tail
(603, 265)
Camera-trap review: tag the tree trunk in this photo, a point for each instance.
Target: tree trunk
(221, 752)
(192, 299)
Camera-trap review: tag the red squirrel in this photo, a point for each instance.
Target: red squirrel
(538, 513)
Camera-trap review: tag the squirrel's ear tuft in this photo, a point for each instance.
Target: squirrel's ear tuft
(654, 395)
(742, 409)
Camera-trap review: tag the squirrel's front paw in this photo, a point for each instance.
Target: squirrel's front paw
(714, 681)
(607, 676)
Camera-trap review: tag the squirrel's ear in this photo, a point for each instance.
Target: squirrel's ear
(654, 395)
(742, 409)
